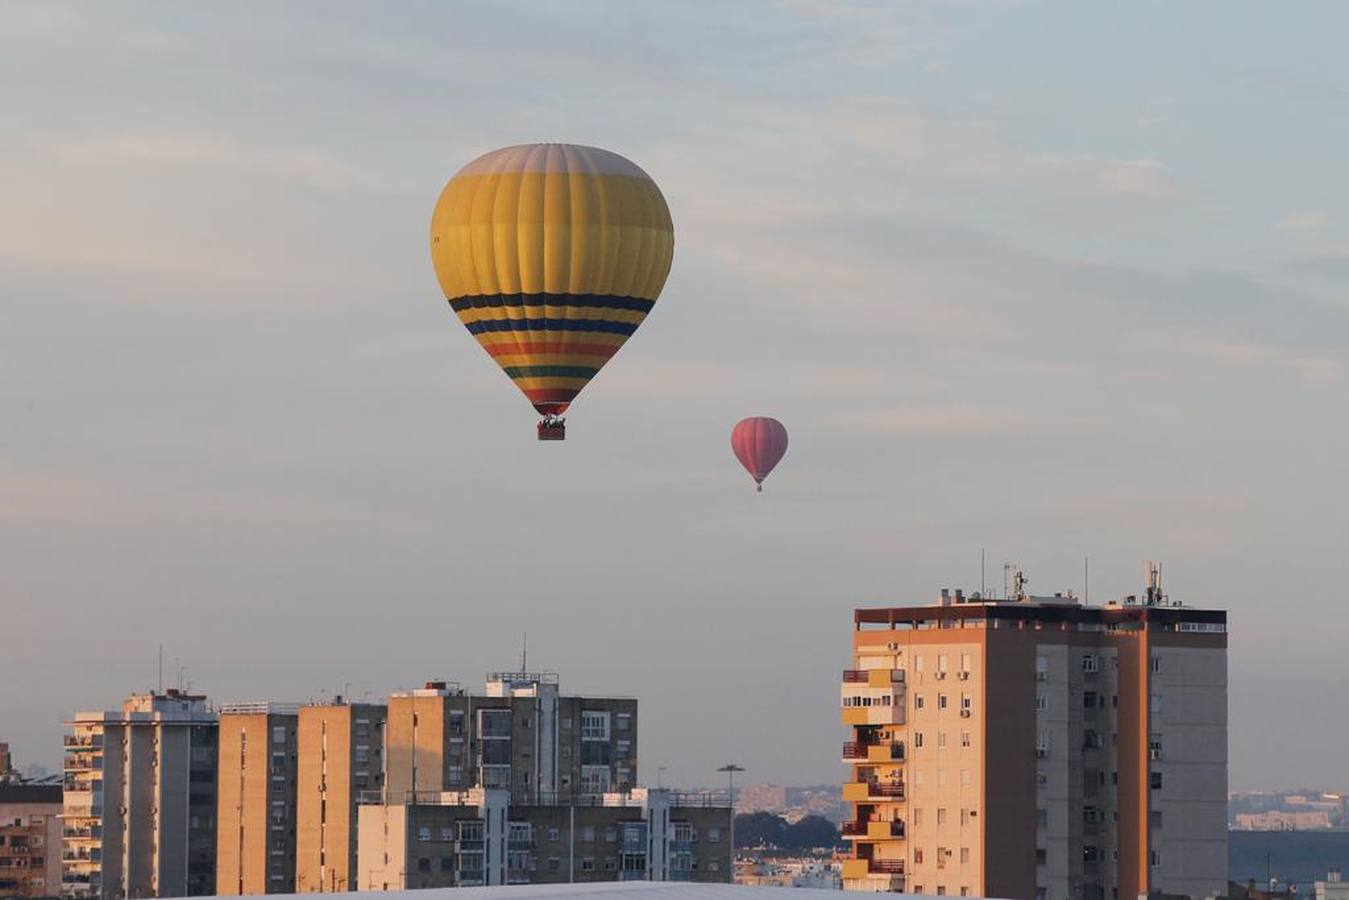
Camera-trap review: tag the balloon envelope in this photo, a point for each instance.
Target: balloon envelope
(551, 255)
(759, 443)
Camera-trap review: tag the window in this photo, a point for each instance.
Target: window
(553, 834)
(965, 703)
(917, 701)
(941, 701)
(424, 834)
(1154, 746)
(1155, 857)
(918, 739)
(447, 834)
(447, 864)
(1088, 699)
(1155, 817)
(964, 738)
(918, 663)
(279, 734)
(1040, 856)
(1042, 744)
(1155, 703)
(941, 663)
(554, 864)
(611, 834)
(587, 864)
(588, 834)
(917, 820)
(471, 830)
(1041, 668)
(965, 777)
(1041, 701)
(964, 817)
(1156, 663)
(964, 662)
(714, 835)
(1091, 663)
(941, 890)
(424, 864)
(1155, 781)
(594, 725)
(941, 740)
(917, 858)
(623, 721)
(941, 815)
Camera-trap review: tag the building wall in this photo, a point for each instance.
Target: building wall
(255, 848)
(422, 846)
(340, 756)
(30, 840)
(1097, 766)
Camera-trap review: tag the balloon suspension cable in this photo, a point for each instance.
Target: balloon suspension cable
(758, 487)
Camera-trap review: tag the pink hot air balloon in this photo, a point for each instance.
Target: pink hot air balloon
(759, 444)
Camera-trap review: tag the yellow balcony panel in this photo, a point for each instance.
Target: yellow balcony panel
(880, 677)
(855, 868)
(885, 752)
(855, 715)
(855, 791)
(882, 831)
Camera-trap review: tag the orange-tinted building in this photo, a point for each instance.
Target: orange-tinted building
(1038, 748)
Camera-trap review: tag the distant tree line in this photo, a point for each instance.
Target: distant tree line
(764, 829)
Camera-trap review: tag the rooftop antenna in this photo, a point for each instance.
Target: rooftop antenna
(524, 651)
(983, 585)
(1154, 582)
(161, 667)
(1019, 582)
(1086, 581)
(1006, 573)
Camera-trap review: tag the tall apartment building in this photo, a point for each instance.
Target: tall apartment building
(479, 837)
(140, 799)
(6, 762)
(1038, 748)
(30, 839)
(255, 846)
(341, 755)
(521, 735)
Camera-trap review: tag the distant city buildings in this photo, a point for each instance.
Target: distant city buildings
(140, 799)
(167, 797)
(1280, 820)
(6, 763)
(481, 837)
(1286, 811)
(1036, 747)
(30, 839)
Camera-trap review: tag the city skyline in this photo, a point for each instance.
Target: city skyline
(1036, 282)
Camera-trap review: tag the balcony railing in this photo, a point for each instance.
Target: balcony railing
(78, 740)
(886, 866)
(861, 749)
(862, 676)
(893, 789)
(854, 828)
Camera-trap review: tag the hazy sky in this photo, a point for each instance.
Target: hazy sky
(1052, 280)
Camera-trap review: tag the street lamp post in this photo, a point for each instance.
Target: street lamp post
(730, 769)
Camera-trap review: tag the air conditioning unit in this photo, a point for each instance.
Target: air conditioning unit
(963, 675)
(1041, 676)
(1041, 752)
(1155, 754)
(940, 674)
(964, 714)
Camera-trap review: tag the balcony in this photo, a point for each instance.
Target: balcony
(886, 867)
(877, 751)
(873, 677)
(94, 741)
(862, 791)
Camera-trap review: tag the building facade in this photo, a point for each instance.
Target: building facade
(1038, 748)
(140, 799)
(340, 749)
(30, 839)
(259, 751)
(520, 735)
(479, 837)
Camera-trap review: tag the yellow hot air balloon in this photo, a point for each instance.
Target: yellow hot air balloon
(551, 255)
